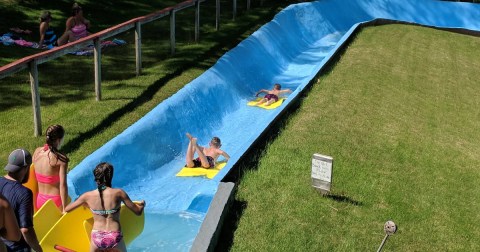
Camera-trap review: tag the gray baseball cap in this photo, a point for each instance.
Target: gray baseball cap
(18, 159)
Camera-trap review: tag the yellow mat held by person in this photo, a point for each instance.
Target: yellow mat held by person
(72, 230)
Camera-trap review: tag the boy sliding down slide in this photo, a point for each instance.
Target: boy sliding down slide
(207, 156)
(271, 95)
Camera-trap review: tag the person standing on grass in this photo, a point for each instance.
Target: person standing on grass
(21, 200)
(51, 169)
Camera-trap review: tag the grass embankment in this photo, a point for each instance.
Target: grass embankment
(67, 86)
(400, 114)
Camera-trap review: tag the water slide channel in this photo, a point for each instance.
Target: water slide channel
(290, 50)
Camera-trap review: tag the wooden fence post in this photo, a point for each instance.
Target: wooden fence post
(197, 20)
(37, 116)
(217, 15)
(97, 59)
(234, 9)
(138, 47)
(172, 32)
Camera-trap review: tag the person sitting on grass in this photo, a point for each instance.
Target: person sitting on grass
(207, 156)
(48, 38)
(77, 25)
(105, 202)
(271, 95)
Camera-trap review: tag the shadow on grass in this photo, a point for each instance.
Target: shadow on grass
(231, 221)
(343, 199)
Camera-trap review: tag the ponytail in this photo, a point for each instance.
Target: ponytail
(103, 174)
(54, 133)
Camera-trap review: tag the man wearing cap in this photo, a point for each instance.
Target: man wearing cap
(21, 200)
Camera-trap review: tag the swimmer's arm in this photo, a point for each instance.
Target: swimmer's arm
(285, 91)
(136, 208)
(43, 29)
(261, 91)
(80, 201)
(68, 24)
(63, 184)
(225, 155)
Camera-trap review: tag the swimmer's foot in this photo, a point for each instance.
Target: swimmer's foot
(189, 136)
(194, 141)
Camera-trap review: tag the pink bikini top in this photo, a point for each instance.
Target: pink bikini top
(80, 30)
(46, 179)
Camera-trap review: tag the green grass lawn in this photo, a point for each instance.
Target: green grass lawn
(400, 115)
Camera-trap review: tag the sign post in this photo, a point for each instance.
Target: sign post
(322, 168)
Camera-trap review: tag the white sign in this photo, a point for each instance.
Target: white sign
(322, 168)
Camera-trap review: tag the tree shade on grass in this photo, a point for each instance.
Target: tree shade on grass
(67, 95)
(399, 113)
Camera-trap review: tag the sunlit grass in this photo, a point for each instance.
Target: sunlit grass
(400, 114)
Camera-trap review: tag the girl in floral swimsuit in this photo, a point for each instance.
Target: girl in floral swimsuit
(104, 202)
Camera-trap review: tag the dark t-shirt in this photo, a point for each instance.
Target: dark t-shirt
(21, 200)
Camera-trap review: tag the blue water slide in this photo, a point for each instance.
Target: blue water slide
(289, 50)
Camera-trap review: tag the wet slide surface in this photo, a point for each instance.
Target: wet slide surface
(289, 50)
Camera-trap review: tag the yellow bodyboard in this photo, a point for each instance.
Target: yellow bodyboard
(73, 229)
(271, 106)
(197, 171)
(45, 218)
(69, 232)
(132, 225)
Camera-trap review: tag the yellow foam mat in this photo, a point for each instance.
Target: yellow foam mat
(45, 218)
(271, 106)
(73, 229)
(194, 172)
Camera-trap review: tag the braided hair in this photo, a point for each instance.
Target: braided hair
(54, 133)
(103, 174)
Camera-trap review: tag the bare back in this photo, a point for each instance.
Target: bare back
(46, 163)
(212, 152)
(112, 199)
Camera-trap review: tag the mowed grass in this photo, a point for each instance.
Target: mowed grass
(400, 115)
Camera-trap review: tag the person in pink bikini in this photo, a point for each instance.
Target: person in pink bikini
(77, 25)
(105, 203)
(51, 169)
